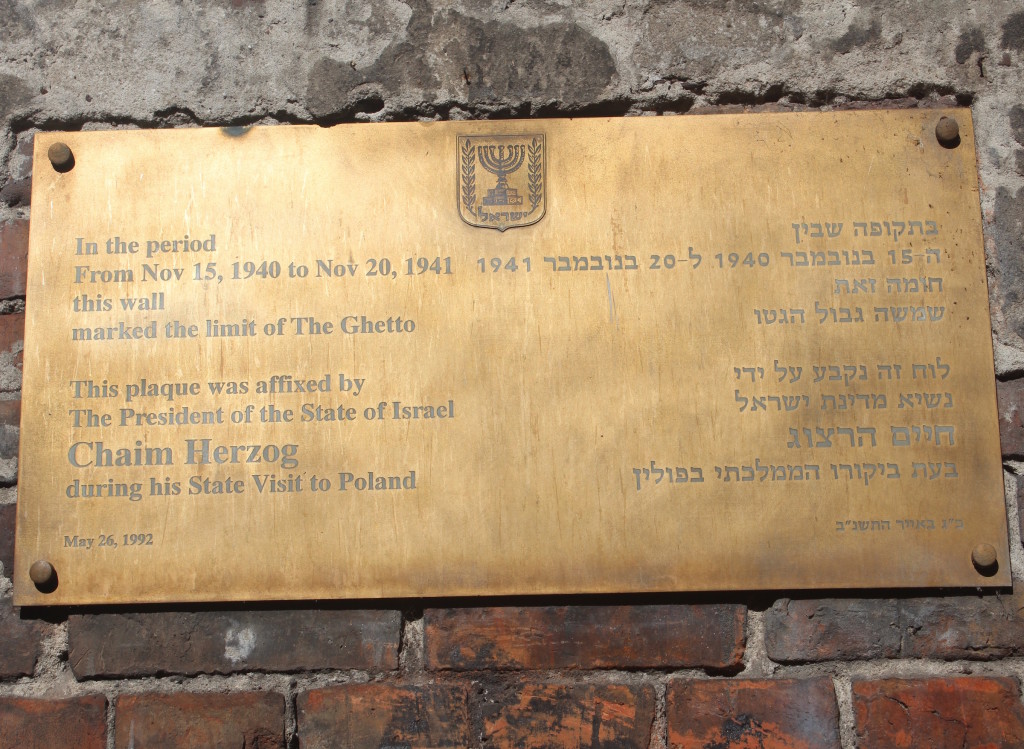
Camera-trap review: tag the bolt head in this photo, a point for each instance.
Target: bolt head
(41, 572)
(947, 132)
(984, 558)
(60, 156)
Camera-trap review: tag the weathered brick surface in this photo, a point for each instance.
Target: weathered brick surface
(13, 258)
(251, 720)
(844, 629)
(578, 716)
(546, 637)
(20, 642)
(938, 713)
(140, 644)
(8, 519)
(370, 716)
(45, 724)
(768, 714)
(973, 627)
(982, 627)
(12, 344)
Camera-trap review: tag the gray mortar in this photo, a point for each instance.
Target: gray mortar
(756, 663)
(659, 726)
(844, 699)
(410, 651)
(1011, 479)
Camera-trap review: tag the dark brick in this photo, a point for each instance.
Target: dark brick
(768, 714)
(370, 716)
(1011, 417)
(21, 642)
(13, 258)
(45, 724)
(832, 629)
(582, 716)
(214, 642)
(938, 713)
(12, 344)
(709, 636)
(8, 514)
(252, 720)
(981, 627)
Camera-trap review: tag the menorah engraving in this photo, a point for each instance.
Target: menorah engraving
(497, 162)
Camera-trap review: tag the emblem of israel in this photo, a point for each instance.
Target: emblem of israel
(501, 180)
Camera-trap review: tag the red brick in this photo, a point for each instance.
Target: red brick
(370, 716)
(10, 413)
(20, 642)
(45, 724)
(221, 642)
(12, 343)
(709, 636)
(580, 716)
(13, 258)
(1011, 412)
(767, 714)
(8, 515)
(938, 713)
(979, 627)
(253, 720)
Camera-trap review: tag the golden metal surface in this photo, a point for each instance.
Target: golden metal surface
(718, 352)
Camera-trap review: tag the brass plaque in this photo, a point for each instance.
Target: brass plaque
(649, 354)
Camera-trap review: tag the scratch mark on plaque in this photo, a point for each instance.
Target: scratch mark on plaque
(239, 644)
(611, 300)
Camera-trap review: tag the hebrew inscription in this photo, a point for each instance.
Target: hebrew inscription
(295, 362)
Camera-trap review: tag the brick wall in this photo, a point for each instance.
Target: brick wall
(875, 669)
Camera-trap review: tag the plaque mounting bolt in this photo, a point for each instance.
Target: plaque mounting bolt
(43, 575)
(947, 132)
(61, 157)
(984, 558)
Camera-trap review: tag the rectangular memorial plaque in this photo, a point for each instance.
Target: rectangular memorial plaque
(672, 353)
